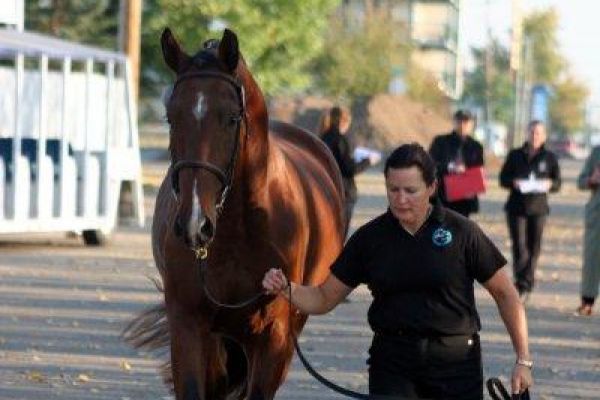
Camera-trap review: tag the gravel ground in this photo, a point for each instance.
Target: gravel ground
(62, 306)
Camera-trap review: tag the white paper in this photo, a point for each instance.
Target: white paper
(533, 186)
(361, 153)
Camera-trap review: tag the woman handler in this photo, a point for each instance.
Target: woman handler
(420, 262)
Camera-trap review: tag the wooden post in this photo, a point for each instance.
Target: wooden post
(130, 38)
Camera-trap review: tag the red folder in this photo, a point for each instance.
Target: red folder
(466, 185)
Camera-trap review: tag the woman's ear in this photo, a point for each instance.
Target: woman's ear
(433, 188)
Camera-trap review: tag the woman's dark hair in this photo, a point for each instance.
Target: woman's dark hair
(335, 117)
(412, 155)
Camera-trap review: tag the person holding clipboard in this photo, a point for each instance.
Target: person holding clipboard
(459, 160)
(529, 172)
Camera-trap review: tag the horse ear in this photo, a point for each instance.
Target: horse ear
(172, 53)
(229, 52)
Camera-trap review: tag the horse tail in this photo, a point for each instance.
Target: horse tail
(150, 331)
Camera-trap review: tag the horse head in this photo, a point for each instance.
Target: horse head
(206, 111)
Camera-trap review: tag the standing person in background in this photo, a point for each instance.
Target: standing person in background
(333, 133)
(529, 172)
(589, 179)
(453, 154)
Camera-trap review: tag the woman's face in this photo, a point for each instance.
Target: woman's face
(408, 194)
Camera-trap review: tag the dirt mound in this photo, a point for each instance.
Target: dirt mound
(383, 121)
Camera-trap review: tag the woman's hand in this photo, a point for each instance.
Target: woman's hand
(274, 281)
(521, 379)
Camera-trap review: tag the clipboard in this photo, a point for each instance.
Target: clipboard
(466, 185)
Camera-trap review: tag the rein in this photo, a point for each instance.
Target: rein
(201, 256)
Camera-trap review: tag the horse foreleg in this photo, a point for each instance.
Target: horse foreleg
(197, 360)
(270, 355)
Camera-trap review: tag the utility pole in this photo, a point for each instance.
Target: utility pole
(130, 38)
(525, 75)
(489, 65)
(516, 48)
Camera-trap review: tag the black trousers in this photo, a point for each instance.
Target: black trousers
(447, 368)
(526, 236)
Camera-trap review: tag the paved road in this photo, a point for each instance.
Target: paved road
(62, 307)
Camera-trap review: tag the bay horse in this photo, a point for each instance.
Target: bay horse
(241, 195)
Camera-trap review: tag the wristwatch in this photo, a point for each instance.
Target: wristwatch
(525, 363)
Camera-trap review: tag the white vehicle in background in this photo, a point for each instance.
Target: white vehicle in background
(68, 137)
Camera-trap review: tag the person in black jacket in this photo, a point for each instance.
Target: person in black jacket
(529, 172)
(453, 154)
(334, 136)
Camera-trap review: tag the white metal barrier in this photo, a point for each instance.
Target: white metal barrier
(68, 136)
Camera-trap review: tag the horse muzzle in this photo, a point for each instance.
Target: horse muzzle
(196, 233)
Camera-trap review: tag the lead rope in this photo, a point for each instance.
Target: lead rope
(324, 381)
(494, 384)
(201, 255)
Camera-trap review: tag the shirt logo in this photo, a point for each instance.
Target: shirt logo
(543, 166)
(441, 237)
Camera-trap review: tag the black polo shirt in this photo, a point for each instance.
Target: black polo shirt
(423, 283)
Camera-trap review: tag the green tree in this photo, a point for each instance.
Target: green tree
(88, 21)
(358, 60)
(279, 38)
(567, 108)
(550, 67)
(423, 87)
(540, 28)
(496, 86)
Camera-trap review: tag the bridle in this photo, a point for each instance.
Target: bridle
(224, 177)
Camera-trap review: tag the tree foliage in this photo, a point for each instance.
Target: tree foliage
(545, 65)
(499, 91)
(567, 109)
(540, 29)
(550, 67)
(358, 60)
(88, 21)
(278, 38)
(423, 87)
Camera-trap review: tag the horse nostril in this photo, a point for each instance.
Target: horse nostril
(207, 230)
(177, 227)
